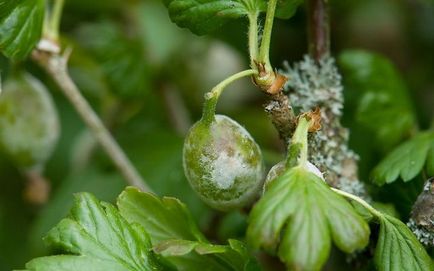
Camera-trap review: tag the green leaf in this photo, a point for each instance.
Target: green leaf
(20, 26)
(398, 249)
(234, 257)
(406, 161)
(379, 95)
(301, 208)
(122, 58)
(204, 16)
(97, 238)
(163, 219)
(285, 9)
(175, 236)
(89, 179)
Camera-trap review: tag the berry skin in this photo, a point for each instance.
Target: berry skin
(223, 163)
(29, 124)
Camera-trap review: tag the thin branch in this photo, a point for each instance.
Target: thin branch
(318, 28)
(281, 114)
(56, 66)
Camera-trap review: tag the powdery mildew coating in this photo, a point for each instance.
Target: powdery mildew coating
(223, 163)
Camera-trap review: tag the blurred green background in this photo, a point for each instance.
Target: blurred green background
(146, 78)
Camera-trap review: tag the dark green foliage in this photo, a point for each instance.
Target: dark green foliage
(205, 16)
(379, 96)
(96, 237)
(120, 56)
(20, 26)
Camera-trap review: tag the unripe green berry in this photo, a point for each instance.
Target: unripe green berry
(29, 124)
(223, 163)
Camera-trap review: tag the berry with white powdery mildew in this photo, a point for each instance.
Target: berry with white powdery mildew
(223, 163)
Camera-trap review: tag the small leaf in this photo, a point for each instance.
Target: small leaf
(234, 257)
(406, 161)
(302, 207)
(97, 238)
(163, 219)
(20, 26)
(379, 95)
(398, 249)
(175, 235)
(175, 247)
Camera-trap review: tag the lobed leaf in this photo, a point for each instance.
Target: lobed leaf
(97, 238)
(398, 249)
(20, 26)
(302, 207)
(163, 219)
(406, 161)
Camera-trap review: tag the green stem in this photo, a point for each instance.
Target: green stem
(264, 53)
(211, 97)
(300, 137)
(253, 37)
(367, 206)
(54, 20)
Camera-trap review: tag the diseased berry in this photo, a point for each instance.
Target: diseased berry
(223, 163)
(29, 124)
(279, 168)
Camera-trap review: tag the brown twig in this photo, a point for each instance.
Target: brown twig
(318, 28)
(56, 66)
(280, 111)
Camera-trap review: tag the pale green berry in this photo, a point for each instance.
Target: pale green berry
(223, 163)
(29, 123)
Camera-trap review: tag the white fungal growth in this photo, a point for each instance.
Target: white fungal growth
(225, 169)
(223, 164)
